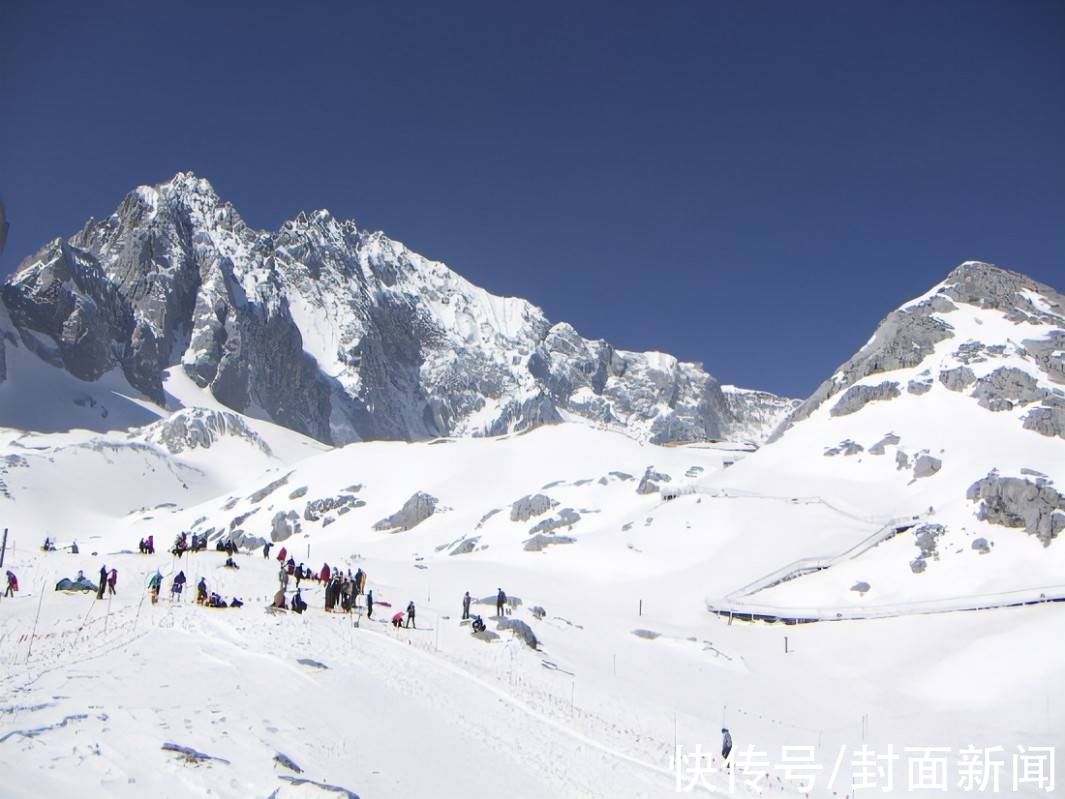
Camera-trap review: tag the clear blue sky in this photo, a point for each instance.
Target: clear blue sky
(752, 185)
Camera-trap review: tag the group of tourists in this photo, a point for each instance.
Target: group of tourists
(184, 543)
(341, 587)
(108, 581)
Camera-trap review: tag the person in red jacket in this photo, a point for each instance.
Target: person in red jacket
(323, 575)
(282, 555)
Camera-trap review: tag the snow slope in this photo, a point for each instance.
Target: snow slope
(946, 434)
(620, 543)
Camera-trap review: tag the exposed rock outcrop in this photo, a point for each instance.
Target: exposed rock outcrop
(957, 379)
(1036, 506)
(414, 511)
(529, 506)
(649, 483)
(285, 524)
(857, 397)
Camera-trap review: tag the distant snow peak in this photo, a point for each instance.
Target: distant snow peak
(338, 333)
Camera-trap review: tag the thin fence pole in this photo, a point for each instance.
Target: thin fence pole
(40, 601)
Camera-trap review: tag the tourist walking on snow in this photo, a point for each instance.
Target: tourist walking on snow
(112, 580)
(466, 606)
(410, 615)
(201, 591)
(282, 578)
(12, 584)
(177, 586)
(369, 604)
(266, 549)
(103, 583)
(501, 600)
(154, 584)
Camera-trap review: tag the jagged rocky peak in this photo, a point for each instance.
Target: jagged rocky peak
(338, 333)
(909, 335)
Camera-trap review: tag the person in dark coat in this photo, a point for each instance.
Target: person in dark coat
(466, 606)
(369, 604)
(12, 584)
(298, 604)
(266, 549)
(726, 743)
(358, 581)
(178, 585)
(103, 583)
(501, 601)
(201, 591)
(410, 615)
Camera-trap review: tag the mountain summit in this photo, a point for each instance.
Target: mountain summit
(338, 333)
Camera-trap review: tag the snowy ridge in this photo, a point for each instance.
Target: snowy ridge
(337, 333)
(951, 412)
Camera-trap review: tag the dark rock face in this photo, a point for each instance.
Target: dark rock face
(335, 332)
(847, 447)
(649, 483)
(567, 517)
(343, 503)
(1006, 387)
(414, 511)
(1036, 505)
(925, 466)
(926, 537)
(857, 397)
(529, 506)
(1049, 421)
(958, 378)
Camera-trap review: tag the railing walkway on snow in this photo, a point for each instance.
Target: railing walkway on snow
(746, 611)
(734, 605)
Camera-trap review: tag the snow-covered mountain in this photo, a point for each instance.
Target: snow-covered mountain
(336, 332)
(922, 478)
(953, 412)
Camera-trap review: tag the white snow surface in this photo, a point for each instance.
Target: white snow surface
(631, 662)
